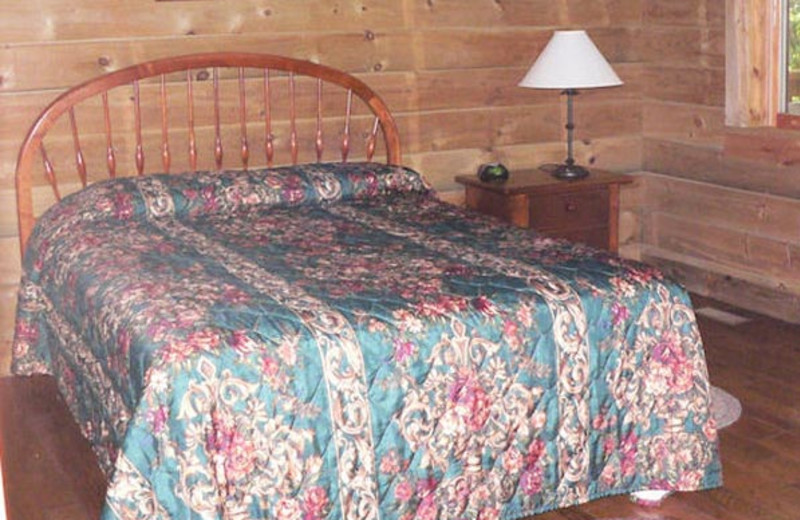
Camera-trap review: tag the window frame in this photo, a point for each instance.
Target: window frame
(752, 63)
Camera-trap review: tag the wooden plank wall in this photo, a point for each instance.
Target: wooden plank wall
(722, 205)
(449, 69)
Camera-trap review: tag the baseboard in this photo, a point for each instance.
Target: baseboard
(769, 301)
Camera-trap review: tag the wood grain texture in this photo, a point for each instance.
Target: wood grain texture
(514, 46)
(34, 148)
(724, 248)
(618, 154)
(752, 66)
(435, 62)
(755, 213)
(585, 210)
(684, 46)
(682, 159)
(776, 300)
(429, 131)
(710, 163)
(739, 245)
(448, 70)
(62, 65)
(600, 13)
(48, 468)
(8, 304)
(682, 84)
(9, 262)
(773, 146)
(697, 124)
(108, 19)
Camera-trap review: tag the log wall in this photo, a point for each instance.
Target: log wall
(721, 205)
(716, 206)
(448, 68)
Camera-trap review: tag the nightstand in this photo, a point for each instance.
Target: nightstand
(585, 210)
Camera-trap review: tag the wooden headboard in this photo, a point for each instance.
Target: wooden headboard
(110, 129)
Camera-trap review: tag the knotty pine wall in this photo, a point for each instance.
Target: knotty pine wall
(448, 68)
(721, 205)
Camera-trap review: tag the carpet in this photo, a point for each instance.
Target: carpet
(725, 408)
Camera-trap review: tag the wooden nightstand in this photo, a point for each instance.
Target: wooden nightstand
(585, 210)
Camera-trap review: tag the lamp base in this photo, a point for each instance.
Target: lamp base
(570, 172)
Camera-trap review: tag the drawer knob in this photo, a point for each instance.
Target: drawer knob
(570, 206)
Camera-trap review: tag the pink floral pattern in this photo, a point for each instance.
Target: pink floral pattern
(330, 341)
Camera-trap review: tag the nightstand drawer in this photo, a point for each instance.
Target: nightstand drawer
(569, 210)
(584, 210)
(511, 208)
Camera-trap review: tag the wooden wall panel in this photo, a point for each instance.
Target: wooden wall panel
(447, 68)
(693, 124)
(705, 242)
(709, 164)
(429, 131)
(593, 120)
(133, 19)
(402, 91)
(619, 153)
(436, 14)
(8, 304)
(738, 237)
(714, 13)
(56, 66)
(9, 260)
(756, 213)
(8, 215)
(684, 46)
(476, 48)
(700, 86)
(753, 47)
(682, 159)
(578, 13)
(497, 86)
(759, 296)
(721, 209)
(673, 13)
(770, 146)
(694, 220)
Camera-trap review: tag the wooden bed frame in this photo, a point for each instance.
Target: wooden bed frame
(225, 120)
(195, 68)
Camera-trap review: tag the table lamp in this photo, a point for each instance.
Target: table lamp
(570, 61)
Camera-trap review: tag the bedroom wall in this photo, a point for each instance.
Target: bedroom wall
(722, 205)
(447, 67)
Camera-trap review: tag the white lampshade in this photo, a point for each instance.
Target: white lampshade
(570, 61)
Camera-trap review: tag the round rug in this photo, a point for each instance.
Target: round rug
(725, 408)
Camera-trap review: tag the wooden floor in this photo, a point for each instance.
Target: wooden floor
(50, 473)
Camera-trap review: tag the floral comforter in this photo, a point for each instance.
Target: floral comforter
(330, 341)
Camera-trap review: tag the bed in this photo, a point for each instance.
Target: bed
(308, 332)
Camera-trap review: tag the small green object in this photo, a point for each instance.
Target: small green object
(492, 172)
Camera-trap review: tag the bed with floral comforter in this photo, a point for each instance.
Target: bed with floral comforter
(330, 341)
